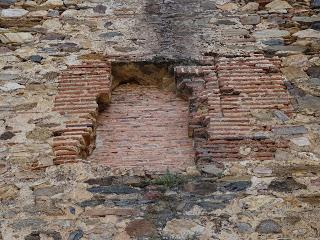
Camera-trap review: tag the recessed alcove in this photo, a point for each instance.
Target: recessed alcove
(146, 123)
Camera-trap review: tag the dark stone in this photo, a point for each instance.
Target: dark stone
(224, 22)
(6, 3)
(67, 47)
(244, 227)
(100, 9)
(92, 203)
(280, 115)
(202, 188)
(72, 210)
(309, 102)
(76, 235)
(108, 24)
(36, 235)
(315, 81)
(314, 72)
(53, 13)
(286, 185)
(315, 3)
(33, 223)
(290, 130)
(106, 181)
(268, 226)
(237, 186)
(210, 206)
(115, 189)
(315, 25)
(53, 36)
(36, 58)
(7, 135)
(110, 34)
(141, 228)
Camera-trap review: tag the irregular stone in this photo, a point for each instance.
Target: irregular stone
(38, 235)
(308, 33)
(293, 73)
(36, 58)
(314, 71)
(182, 228)
(315, 81)
(270, 33)
(273, 42)
(40, 13)
(110, 34)
(100, 9)
(316, 25)
(289, 130)
(11, 86)
(237, 186)
(268, 226)
(281, 115)
(244, 227)
(250, 7)
(39, 134)
(212, 169)
(6, 3)
(301, 141)
(106, 181)
(305, 19)
(229, 7)
(263, 170)
(92, 203)
(102, 212)
(277, 5)
(193, 171)
(141, 228)
(8, 192)
(33, 223)
(297, 60)
(13, 13)
(115, 189)
(52, 4)
(250, 20)
(52, 25)
(17, 37)
(7, 135)
(122, 236)
(76, 235)
(286, 185)
(48, 191)
(315, 3)
(53, 36)
(201, 188)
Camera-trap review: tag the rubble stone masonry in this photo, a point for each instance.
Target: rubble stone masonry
(159, 119)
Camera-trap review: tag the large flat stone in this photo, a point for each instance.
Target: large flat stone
(270, 33)
(13, 13)
(18, 37)
(290, 130)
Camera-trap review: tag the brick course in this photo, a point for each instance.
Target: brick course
(80, 89)
(222, 93)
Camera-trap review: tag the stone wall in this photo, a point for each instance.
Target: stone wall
(251, 73)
